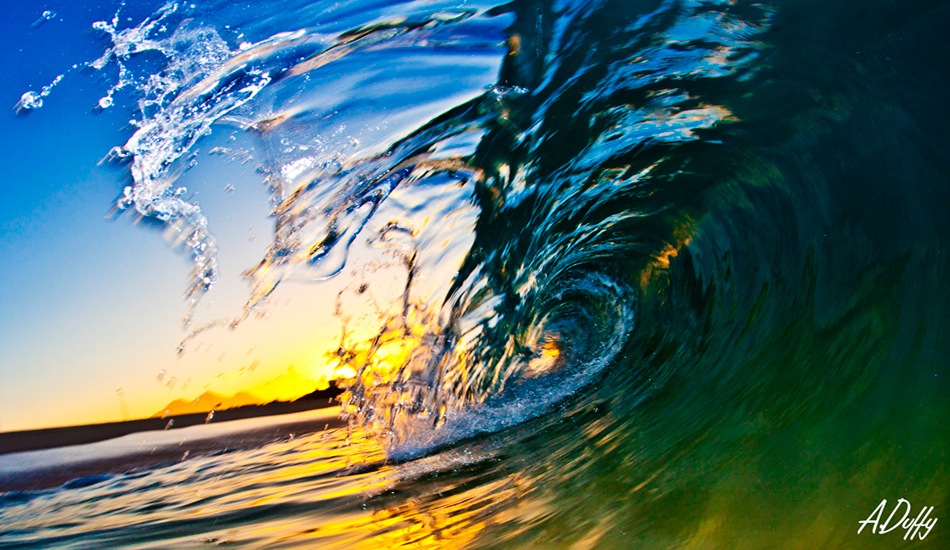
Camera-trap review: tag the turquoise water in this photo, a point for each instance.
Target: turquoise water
(667, 274)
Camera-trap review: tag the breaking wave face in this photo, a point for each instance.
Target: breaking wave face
(632, 242)
(516, 178)
(531, 168)
(520, 214)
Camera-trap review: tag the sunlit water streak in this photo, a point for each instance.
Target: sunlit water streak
(669, 274)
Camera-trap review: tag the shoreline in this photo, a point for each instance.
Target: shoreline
(50, 438)
(77, 472)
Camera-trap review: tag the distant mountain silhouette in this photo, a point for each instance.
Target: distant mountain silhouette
(212, 401)
(30, 440)
(206, 402)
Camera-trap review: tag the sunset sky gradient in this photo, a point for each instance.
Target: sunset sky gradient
(91, 306)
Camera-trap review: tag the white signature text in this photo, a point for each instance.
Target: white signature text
(912, 526)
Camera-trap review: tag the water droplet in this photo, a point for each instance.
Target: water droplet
(29, 100)
(46, 16)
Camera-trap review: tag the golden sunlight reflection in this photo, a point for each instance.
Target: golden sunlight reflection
(547, 360)
(405, 510)
(442, 517)
(370, 504)
(680, 238)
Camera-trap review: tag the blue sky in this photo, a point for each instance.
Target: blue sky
(89, 305)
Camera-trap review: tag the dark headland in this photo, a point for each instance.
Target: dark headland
(32, 440)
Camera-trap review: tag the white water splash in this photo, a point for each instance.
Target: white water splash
(202, 81)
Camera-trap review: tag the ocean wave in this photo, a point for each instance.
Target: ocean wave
(678, 264)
